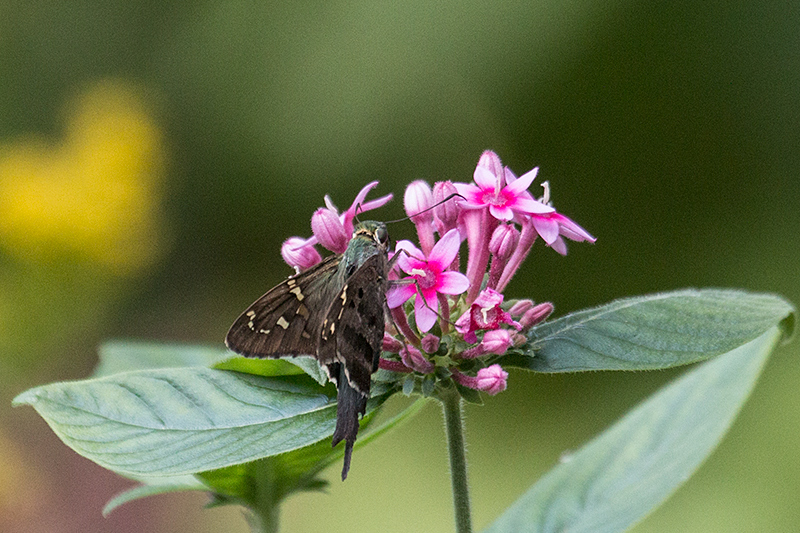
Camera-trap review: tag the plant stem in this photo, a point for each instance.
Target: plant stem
(451, 405)
(265, 505)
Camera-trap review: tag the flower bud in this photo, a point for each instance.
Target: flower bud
(418, 198)
(492, 379)
(329, 231)
(491, 162)
(496, 341)
(414, 359)
(504, 241)
(520, 306)
(445, 213)
(391, 344)
(298, 254)
(430, 343)
(535, 315)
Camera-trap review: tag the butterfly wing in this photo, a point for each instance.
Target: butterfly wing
(285, 321)
(352, 331)
(350, 345)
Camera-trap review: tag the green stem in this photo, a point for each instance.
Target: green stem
(265, 505)
(451, 404)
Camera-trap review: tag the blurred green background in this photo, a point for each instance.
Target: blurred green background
(154, 155)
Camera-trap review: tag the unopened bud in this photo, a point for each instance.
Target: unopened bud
(298, 254)
(329, 231)
(535, 315)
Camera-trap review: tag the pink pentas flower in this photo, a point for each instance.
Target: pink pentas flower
(552, 227)
(430, 278)
(503, 199)
(492, 379)
(331, 229)
(484, 314)
(299, 254)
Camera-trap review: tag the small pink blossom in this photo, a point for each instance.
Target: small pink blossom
(503, 199)
(329, 231)
(520, 306)
(430, 343)
(492, 379)
(430, 276)
(552, 227)
(495, 341)
(484, 314)
(418, 200)
(536, 315)
(390, 344)
(445, 214)
(298, 253)
(414, 359)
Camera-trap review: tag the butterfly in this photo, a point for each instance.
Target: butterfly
(334, 312)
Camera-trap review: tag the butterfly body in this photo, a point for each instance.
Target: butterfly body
(334, 311)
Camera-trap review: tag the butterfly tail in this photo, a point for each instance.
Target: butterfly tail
(350, 404)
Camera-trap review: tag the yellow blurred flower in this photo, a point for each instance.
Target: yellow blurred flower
(96, 194)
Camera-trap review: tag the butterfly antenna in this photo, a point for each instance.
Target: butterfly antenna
(434, 206)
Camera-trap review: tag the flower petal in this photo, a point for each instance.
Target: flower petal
(412, 257)
(529, 205)
(523, 182)
(426, 314)
(452, 282)
(446, 250)
(501, 212)
(546, 227)
(398, 294)
(484, 178)
(571, 230)
(559, 246)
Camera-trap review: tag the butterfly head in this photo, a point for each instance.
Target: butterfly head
(373, 231)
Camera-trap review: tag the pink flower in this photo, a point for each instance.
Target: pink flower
(553, 226)
(414, 360)
(484, 314)
(492, 379)
(504, 199)
(419, 199)
(495, 341)
(331, 229)
(330, 233)
(445, 214)
(299, 254)
(430, 276)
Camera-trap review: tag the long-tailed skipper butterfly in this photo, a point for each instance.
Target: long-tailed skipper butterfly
(334, 311)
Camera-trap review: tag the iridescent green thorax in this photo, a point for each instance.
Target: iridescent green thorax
(369, 238)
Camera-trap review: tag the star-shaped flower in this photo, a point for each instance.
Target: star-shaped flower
(430, 277)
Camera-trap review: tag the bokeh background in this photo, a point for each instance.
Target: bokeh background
(154, 155)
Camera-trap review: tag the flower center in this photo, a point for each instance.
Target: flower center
(497, 198)
(426, 278)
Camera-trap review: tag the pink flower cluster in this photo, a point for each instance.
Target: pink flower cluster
(500, 220)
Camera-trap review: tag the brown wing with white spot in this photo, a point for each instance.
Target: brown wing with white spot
(285, 320)
(352, 332)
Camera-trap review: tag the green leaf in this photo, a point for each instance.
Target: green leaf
(295, 470)
(622, 475)
(649, 332)
(185, 420)
(259, 367)
(153, 487)
(123, 356)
